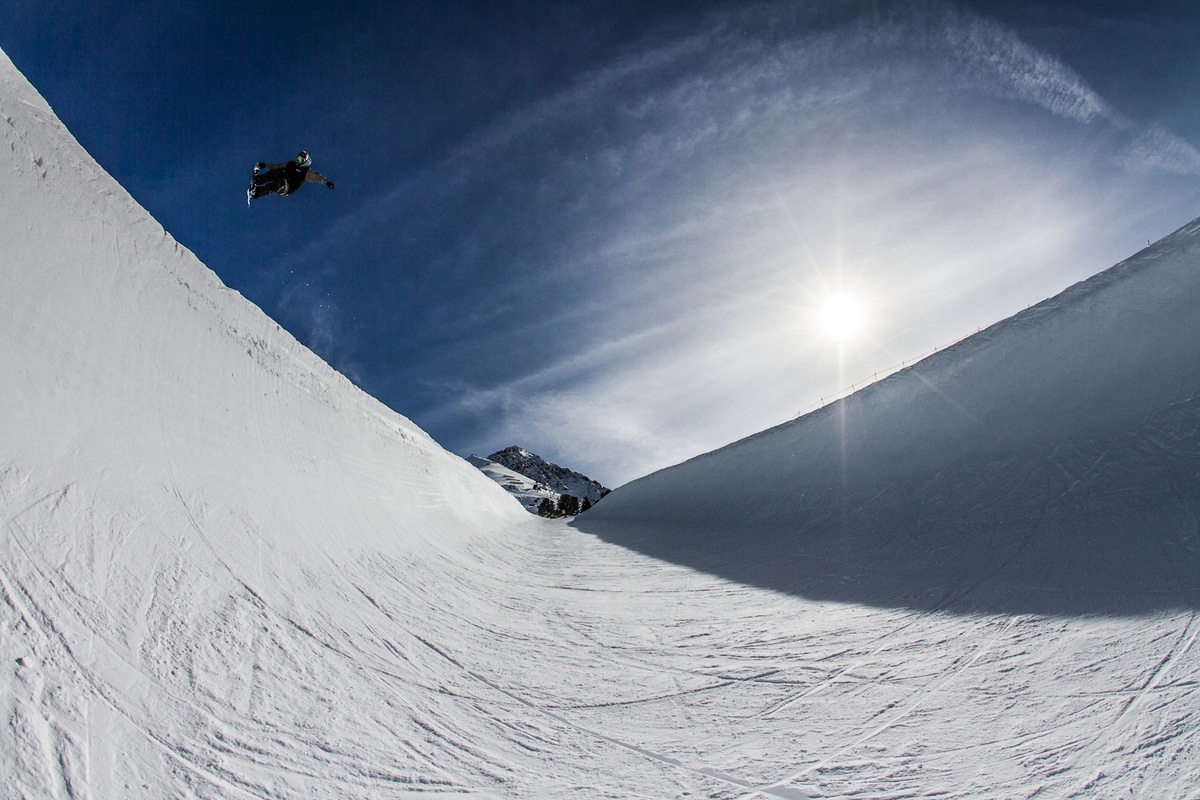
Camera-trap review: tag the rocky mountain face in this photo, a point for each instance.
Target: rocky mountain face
(547, 479)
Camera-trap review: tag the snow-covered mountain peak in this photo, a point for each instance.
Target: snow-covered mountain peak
(558, 480)
(527, 491)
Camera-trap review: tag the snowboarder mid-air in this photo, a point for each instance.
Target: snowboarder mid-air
(283, 178)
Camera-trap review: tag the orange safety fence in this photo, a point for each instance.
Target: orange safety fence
(876, 377)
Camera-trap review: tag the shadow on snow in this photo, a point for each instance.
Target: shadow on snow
(1104, 525)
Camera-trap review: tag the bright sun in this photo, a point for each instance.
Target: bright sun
(841, 316)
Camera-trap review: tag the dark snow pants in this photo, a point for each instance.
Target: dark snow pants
(271, 185)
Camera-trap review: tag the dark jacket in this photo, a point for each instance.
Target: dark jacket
(293, 174)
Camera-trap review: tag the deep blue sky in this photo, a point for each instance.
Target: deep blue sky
(602, 230)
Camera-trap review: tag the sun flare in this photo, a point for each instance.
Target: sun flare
(841, 316)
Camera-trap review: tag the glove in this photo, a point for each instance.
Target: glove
(259, 165)
(329, 184)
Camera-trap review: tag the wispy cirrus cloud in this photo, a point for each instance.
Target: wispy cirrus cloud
(1154, 148)
(996, 55)
(999, 59)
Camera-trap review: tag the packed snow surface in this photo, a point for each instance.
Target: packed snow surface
(227, 573)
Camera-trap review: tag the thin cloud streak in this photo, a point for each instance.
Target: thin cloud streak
(1019, 71)
(1156, 149)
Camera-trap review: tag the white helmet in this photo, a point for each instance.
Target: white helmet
(303, 159)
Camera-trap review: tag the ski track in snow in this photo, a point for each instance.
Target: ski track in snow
(225, 572)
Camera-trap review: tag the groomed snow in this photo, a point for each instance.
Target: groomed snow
(227, 573)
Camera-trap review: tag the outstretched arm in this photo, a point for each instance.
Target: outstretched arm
(271, 167)
(316, 177)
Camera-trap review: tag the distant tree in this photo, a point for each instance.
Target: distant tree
(585, 505)
(546, 508)
(568, 505)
